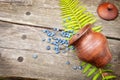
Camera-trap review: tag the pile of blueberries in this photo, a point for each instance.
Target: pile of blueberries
(59, 40)
(60, 44)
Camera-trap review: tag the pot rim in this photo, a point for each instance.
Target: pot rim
(79, 34)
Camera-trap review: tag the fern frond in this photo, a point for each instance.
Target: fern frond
(106, 70)
(96, 76)
(83, 63)
(109, 77)
(87, 67)
(92, 71)
(74, 15)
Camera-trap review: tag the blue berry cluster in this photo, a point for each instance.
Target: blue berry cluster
(60, 44)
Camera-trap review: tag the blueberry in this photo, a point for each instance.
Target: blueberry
(57, 44)
(48, 34)
(57, 52)
(56, 41)
(59, 40)
(52, 34)
(53, 43)
(72, 47)
(68, 36)
(80, 67)
(56, 48)
(55, 29)
(45, 31)
(74, 67)
(35, 56)
(48, 48)
(66, 42)
(54, 38)
(68, 63)
(70, 31)
(49, 40)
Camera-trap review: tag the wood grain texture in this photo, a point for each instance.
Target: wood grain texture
(47, 13)
(24, 41)
(48, 65)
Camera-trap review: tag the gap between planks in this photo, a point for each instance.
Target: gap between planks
(31, 25)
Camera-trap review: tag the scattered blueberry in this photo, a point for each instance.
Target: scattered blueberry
(45, 31)
(48, 34)
(54, 38)
(48, 48)
(35, 56)
(57, 51)
(74, 67)
(71, 31)
(52, 34)
(55, 29)
(80, 67)
(49, 40)
(72, 47)
(68, 62)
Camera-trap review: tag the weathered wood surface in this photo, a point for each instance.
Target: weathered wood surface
(48, 65)
(47, 13)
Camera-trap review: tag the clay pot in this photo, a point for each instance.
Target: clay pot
(91, 47)
(107, 11)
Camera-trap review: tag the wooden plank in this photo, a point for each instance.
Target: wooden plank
(47, 13)
(18, 2)
(48, 65)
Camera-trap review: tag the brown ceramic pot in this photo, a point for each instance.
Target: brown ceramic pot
(91, 47)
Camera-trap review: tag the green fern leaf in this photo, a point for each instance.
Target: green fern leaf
(87, 67)
(97, 28)
(92, 71)
(109, 77)
(83, 63)
(96, 76)
(74, 15)
(106, 70)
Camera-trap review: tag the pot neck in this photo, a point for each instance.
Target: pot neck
(80, 34)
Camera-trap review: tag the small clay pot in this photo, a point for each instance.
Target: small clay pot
(91, 47)
(107, 11)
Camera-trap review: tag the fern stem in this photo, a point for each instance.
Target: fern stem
(100, 70)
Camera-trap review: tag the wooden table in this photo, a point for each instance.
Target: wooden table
(21, 25)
